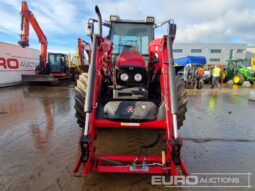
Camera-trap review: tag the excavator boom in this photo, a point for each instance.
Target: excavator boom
(28, 18)
(83, 46)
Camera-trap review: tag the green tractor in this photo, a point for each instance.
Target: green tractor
(241, 70)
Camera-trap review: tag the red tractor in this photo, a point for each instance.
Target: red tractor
(130, 104)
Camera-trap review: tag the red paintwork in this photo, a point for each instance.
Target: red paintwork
(183, 168)
(37, 72)
(156, 47)
(130, 58)
(126, 169)
(103, 123)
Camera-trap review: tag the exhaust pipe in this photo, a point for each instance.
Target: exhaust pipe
(99, 20)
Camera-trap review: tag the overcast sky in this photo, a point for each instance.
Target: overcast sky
(63, 21)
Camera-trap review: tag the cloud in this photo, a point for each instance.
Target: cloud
(198, 20)
(9, 14)
(232, 25)
(57, 16)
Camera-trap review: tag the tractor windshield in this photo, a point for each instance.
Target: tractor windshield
(131, 36)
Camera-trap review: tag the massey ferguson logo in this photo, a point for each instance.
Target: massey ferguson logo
(130, 109)
(9, 63)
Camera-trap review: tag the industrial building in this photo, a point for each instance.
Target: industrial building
(250, 52)
(217, 53)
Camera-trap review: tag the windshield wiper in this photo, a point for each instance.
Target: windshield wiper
(125, 45)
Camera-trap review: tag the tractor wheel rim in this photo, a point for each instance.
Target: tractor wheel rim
(236, 79)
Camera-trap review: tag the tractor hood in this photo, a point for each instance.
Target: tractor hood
(130, 58)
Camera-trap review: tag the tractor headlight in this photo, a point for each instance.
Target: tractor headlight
(138, 77)
(124, 77)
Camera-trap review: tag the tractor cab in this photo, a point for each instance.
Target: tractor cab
(130, 40)
(131, 35)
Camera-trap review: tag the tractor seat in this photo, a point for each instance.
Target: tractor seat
(126, 111)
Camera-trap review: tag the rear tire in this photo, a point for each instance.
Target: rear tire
(182, 102)
(238, 79)
(80, 94)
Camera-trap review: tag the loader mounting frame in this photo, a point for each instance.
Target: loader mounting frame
(90, 162)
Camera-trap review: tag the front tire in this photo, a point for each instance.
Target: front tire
(80, 94)
(238, 79)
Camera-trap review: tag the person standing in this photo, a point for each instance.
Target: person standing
(216, 76)
(200, 75)
(187, 75)
(210, 69)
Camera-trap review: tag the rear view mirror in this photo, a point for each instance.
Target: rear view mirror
(89, 29)
(172, 29)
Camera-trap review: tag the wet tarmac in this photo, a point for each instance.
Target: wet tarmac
(39, 135)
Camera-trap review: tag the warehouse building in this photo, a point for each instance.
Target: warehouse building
(250, 52)
(217, 53)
